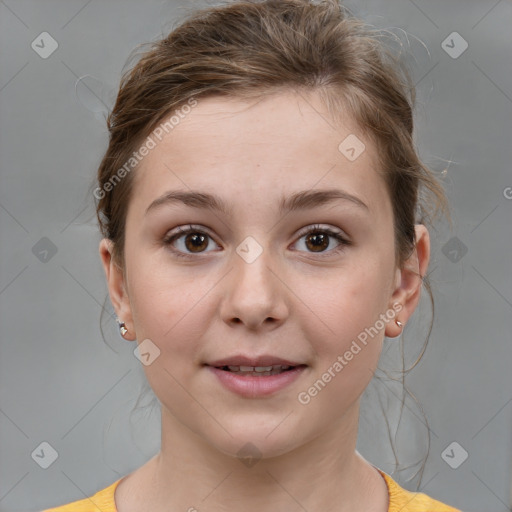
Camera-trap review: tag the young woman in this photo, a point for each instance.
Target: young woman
(265, 217)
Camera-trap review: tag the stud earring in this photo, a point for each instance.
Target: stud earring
(400, 324)
(122, 328)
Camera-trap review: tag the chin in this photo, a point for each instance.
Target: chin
(252, 440)
(249, 450)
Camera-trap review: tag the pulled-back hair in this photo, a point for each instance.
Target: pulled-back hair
(249, 49)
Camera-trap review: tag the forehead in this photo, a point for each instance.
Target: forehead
(268, 147)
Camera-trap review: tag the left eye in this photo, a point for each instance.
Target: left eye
(317, 240)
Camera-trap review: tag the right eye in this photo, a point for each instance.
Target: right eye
(190, 239)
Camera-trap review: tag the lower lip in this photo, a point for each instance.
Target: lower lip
(251, 386)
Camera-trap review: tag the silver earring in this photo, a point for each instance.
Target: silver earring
(122, 328)
(400, 324)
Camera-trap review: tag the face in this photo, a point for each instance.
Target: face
(281, 273)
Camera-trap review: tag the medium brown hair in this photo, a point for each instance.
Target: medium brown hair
(248, 49)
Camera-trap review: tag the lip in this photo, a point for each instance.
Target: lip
(256, 386)
(243, 360)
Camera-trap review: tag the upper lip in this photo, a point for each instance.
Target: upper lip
(242, 360)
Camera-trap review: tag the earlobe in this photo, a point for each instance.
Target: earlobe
(115, 283)
(409, 280)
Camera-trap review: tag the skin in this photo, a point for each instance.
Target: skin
(290, 302)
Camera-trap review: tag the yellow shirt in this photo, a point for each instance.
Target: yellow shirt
(400, 500)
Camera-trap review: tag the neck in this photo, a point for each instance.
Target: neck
(325, 473)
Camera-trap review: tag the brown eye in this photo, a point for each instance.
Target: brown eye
(317, 241)
(188, 242)
(195, 242)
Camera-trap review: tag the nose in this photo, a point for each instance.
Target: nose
(255, 294)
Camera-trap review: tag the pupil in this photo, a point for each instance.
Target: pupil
(196, 237)
(319, 241)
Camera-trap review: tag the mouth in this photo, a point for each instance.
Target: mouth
(257, 371)
(255, 376)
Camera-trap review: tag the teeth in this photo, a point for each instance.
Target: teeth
(264, 368)
(259, 370)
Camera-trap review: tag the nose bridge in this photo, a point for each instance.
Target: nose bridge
(255, 293)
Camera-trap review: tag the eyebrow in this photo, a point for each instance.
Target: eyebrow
(306, 199)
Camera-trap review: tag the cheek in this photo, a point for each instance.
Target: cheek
(173, 319)
(157, 293)
(345, 332)
(345, 303)
(347, 341)
(169, 306)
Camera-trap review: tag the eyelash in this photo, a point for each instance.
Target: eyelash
(343, 242)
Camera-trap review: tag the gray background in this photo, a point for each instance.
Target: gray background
(62, 384)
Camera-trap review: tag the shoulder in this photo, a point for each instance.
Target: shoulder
(102, 501)
(402, 500)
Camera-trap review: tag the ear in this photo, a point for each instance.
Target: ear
(117, 288)
(408, 282)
